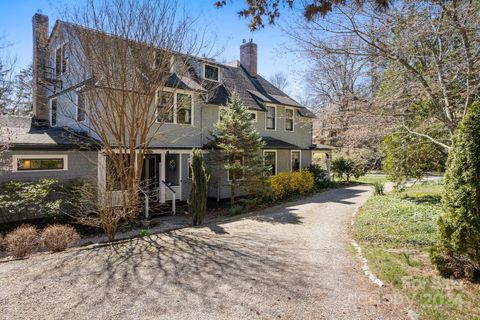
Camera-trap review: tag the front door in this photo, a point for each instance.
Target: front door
(172, 175)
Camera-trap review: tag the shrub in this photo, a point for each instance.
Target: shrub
(197, 204)
(235, 210)
(459, 225)
(286, 183)
(345, 168)
(29, 199)
(22, 241)
(319, 176)
(145, 233)
(58, 237)
(378, 188)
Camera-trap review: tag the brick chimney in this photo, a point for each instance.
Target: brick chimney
(248, 57)
(40, 58)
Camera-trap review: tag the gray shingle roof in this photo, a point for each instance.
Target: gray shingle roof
(22, 133)
(254, 91)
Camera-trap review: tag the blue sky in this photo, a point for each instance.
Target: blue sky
(229, 29)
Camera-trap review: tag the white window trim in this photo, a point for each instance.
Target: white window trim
(299, 160)
(175, 92)
(274, 118)
(16, 157)
(50, 112)
(276, 159)
(285, 122)
(76, 109)
(211, 65)
(60, 46)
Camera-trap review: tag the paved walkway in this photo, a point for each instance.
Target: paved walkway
(290, 262)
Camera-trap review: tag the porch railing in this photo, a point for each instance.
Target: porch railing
(173, 196)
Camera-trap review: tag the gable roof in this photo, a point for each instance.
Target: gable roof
(255, 91)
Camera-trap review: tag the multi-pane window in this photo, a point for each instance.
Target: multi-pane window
(65, 58)
(270, 119)
(295, 160)
(174, 108)
(270, 158)
(80, 106)
(61, 59)
(165, 106)
(211, 73)
(289, 119)
(40, 164)
(184, 108)
(53, 112)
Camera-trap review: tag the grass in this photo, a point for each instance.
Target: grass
(396, 232)
(371, 179)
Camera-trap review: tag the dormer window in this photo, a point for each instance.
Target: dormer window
(211, 72)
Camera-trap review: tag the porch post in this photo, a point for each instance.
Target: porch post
(162, 176)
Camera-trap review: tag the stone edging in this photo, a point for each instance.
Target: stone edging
(364, 261)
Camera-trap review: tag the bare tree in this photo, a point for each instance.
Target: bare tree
(7, 77)
(430, 50)
(22, 91)
(280, 80)
(120, 56)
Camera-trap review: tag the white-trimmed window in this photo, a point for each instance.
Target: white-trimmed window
(270, 118)
(289, 119)
(253, 115)
(34, 162)
(270, 160)
(296, 160)
(174, 107)
(81, 107)
(61, 59)
(165, 106)
(184, 108)
(53, 112)
(211, 72)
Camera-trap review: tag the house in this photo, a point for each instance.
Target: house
(56, 144)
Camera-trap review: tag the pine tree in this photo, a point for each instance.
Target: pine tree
(239, 147)
(458, 251)
(197, 204)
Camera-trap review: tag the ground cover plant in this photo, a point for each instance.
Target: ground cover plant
(396, 232)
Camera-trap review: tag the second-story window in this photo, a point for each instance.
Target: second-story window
(61, 59)
(184, 108)
(80, 106)
(270, 118)
(289, 119)
(211, 73)
(53, 112)
(58, 61)
(165, 106)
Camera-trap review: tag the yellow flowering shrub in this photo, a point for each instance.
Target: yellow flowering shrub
(285, 183)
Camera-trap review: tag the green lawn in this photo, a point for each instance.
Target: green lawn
(396, 232)
(371, 179)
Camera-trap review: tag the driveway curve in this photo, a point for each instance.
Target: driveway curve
(288, 262)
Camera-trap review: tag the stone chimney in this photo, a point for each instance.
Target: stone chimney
(248, 57)
(40, 59)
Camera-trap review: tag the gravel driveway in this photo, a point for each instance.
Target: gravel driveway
(289, 262)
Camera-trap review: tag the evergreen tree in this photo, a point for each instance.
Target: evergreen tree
(239, 147)
(197, 204)
(458, 250)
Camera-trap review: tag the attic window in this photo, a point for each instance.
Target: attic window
(211, 72)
